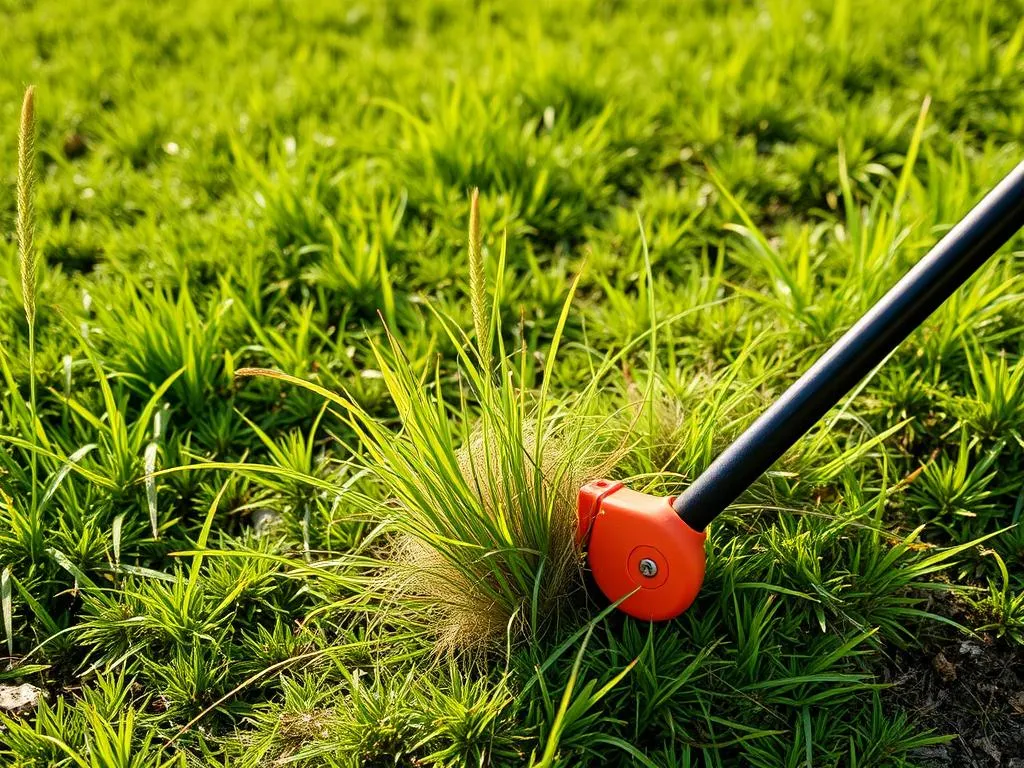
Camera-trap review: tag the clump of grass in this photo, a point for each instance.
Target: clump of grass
(489, 539)
(482, 509)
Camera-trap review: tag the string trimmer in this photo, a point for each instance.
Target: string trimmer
(648, 551)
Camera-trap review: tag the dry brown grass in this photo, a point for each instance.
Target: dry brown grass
(464, 617)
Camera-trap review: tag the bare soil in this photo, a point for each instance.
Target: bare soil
(973, 688)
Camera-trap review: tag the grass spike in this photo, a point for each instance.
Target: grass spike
(478, 280)
(27, 256)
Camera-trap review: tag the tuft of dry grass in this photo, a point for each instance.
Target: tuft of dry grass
(465, 593)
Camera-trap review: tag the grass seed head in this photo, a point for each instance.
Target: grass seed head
(26, 203)
(477, 279)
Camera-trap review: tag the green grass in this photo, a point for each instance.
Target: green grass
(680, 205)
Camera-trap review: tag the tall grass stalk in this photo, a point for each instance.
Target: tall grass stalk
(27, 255)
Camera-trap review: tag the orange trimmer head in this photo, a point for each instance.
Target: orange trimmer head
(640, 551)
(648, 551)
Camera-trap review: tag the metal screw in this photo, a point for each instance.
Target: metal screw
(648, 568)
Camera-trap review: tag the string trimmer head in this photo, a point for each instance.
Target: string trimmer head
(640, 550)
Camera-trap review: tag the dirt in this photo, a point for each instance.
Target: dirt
(973, 688)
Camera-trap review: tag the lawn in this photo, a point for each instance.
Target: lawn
(361, 553)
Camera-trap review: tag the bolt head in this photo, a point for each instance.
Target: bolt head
(648, 568)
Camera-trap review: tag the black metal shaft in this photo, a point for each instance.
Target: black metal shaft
(927, 285)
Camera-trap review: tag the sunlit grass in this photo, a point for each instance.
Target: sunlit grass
(367, 557)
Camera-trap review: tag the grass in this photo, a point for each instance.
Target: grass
(354, 560)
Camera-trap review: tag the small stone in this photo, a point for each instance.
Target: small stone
(936, 756)
(945, 669)
(1017, 702)
(985, 745)
(19, 698)
(967, 648)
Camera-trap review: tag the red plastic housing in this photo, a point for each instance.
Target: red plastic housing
(621, 528)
